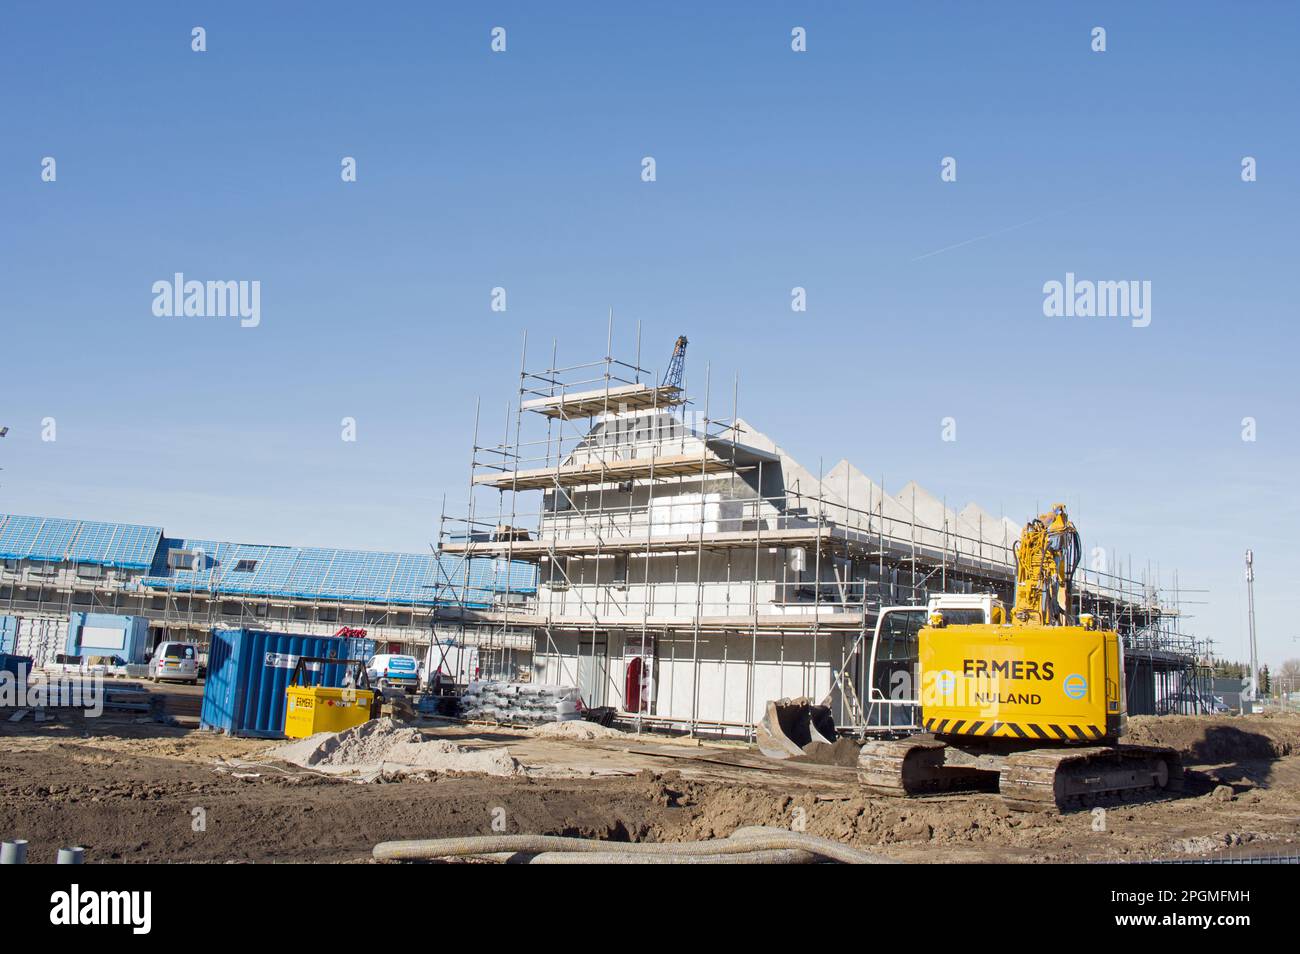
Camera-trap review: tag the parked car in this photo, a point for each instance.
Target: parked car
(178, 661)
(392, 669)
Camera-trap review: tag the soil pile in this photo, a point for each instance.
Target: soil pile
(1211, 741)
(575, 729)
(383, 745)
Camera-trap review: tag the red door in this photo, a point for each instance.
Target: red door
(632, 685)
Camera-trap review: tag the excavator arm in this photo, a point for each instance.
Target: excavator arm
(1046, 558)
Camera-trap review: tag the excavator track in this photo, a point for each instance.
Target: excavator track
(1057, 779)
(1070, 778)
(881, 764)
(913, 766)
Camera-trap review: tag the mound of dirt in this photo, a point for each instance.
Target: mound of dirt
(383, 745)
(578, 729)
(364, 744)
(844, 751)
(1212, 740)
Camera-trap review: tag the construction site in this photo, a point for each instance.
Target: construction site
(650, 632)
(518, 434)
(689, 569)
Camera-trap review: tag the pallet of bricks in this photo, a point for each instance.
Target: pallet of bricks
(526, 702)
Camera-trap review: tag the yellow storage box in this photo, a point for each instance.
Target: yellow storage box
(312, 709)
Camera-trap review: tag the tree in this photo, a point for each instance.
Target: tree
(1225, 669)
(1288, 677)
(1263, 680)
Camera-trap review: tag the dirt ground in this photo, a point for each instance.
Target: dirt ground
(145, 792)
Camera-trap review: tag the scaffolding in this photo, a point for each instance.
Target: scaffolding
(41, 591)
(659, 523)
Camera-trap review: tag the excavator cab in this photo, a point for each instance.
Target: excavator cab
(894, 673)
(893, 677)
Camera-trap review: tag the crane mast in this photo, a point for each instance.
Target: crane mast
(676, 364)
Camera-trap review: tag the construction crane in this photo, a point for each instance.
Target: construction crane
(676, 365)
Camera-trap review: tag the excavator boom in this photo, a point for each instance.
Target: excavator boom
(1046, 558)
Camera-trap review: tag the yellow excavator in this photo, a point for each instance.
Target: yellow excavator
(961, 689)
(1034, 697)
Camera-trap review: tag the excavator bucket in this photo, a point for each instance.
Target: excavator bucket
(790, 725)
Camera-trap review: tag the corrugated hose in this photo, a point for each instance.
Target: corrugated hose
(751, 845)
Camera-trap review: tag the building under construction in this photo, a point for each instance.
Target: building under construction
(52, 568)
(689, 569)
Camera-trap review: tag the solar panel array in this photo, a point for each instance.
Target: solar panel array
(55, 540)
(418, 579)
(325, 573)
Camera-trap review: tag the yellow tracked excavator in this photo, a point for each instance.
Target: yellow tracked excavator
(1032, 697)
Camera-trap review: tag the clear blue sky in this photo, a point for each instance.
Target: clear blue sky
(775, 169)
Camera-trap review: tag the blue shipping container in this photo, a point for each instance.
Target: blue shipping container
(102, 634)
(8, 633)
(11, 664)
(358, 647)
(248, 671)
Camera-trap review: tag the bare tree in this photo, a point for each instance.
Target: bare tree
(1288, 676)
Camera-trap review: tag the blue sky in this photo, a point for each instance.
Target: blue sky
(775, 169)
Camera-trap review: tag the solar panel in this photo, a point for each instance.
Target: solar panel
(355, 575)
(18, 536)
(57, 539)
(115, 544)
(273, 572)
(298, 572)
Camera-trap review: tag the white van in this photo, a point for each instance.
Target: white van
(391, 669)
(179, 661)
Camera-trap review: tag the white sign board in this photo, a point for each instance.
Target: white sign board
(103, 637)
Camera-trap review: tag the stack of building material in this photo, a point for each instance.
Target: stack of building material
(493, 701)
(55, 693)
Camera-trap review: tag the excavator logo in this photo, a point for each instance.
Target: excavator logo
(1016, 669)
(1076, 687)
